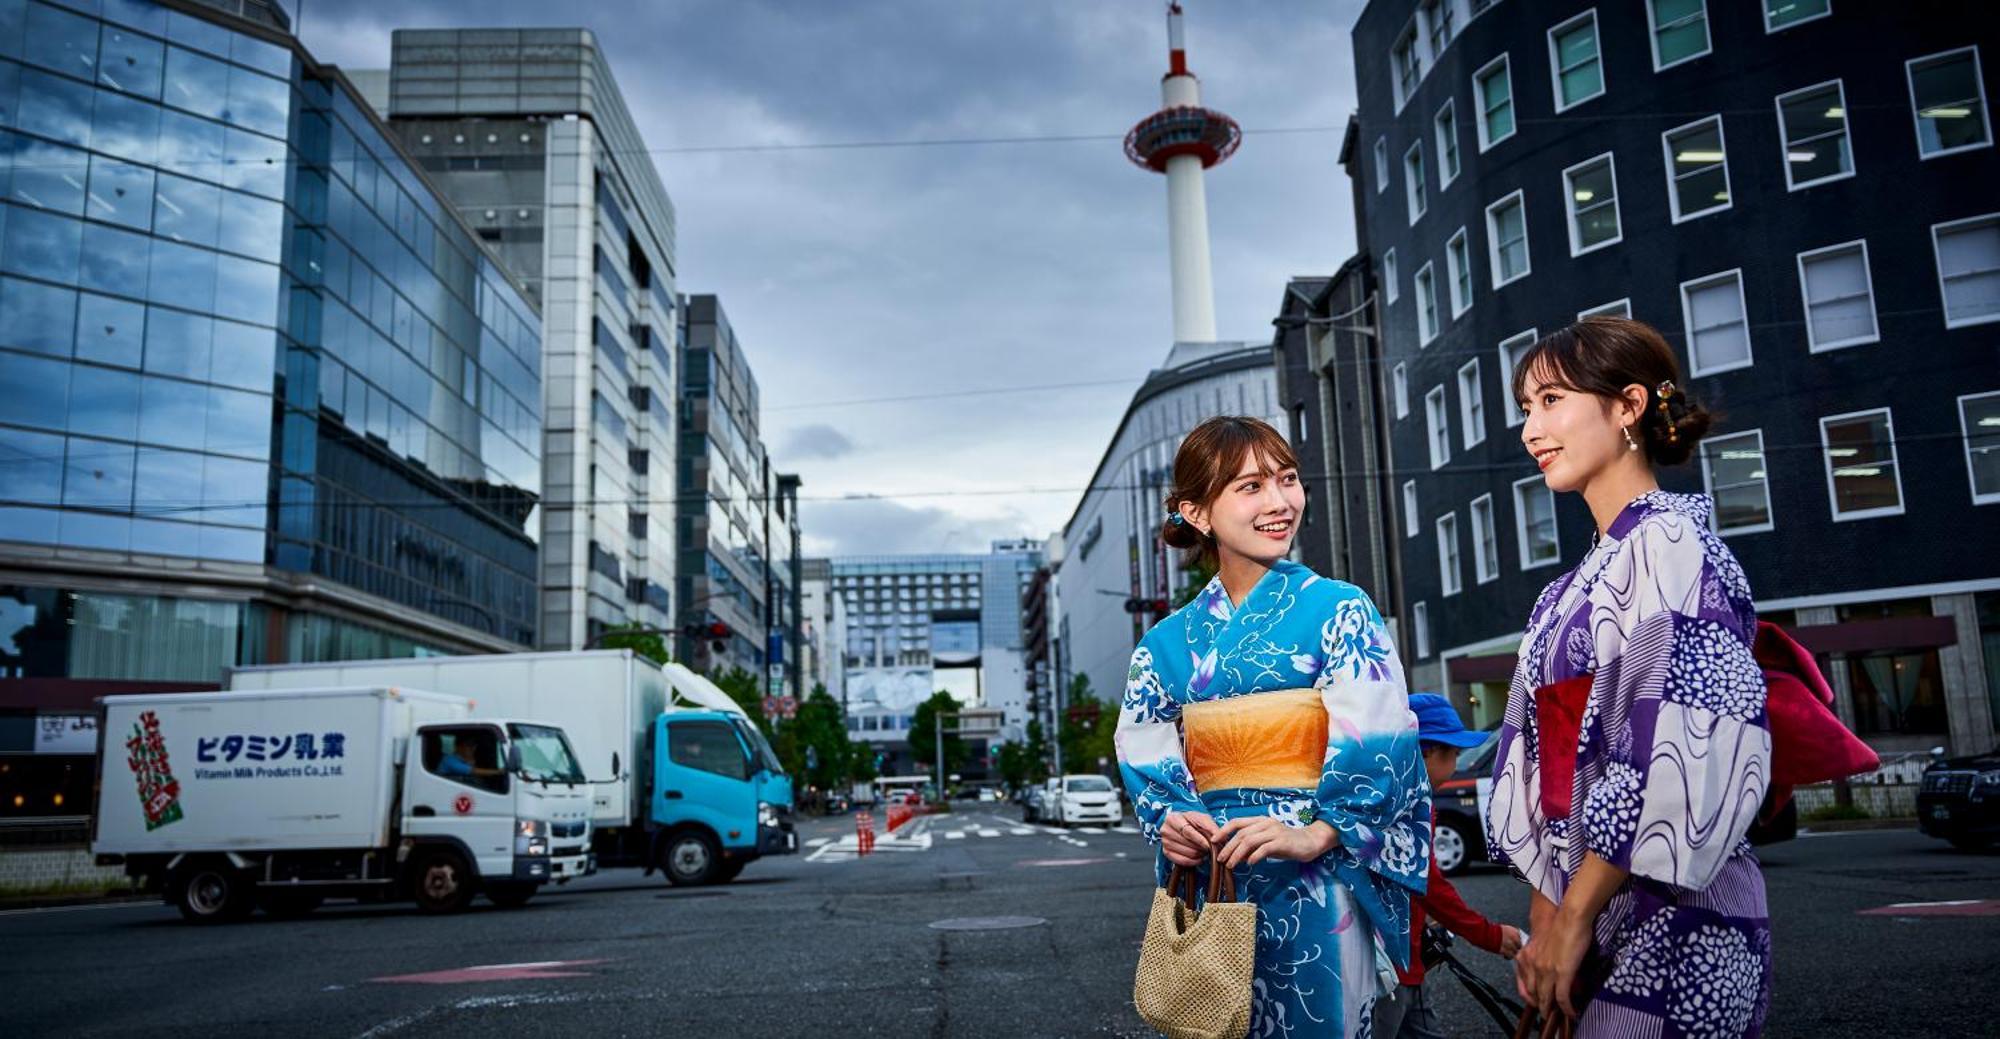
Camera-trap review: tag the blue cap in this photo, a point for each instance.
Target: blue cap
(1437, 722)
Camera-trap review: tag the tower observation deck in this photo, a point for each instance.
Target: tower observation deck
(1181, 140)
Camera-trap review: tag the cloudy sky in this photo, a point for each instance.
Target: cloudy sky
(947, 333)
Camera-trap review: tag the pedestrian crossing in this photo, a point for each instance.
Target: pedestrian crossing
(929, 831)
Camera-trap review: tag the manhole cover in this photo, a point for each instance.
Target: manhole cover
(986, 923)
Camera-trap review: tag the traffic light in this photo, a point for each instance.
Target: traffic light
(1157, 607)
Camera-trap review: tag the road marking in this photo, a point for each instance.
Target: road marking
(819, 842)
(494, 972)
(955, 835)
(1957, 907)
(1021, 831)
(1090, 829)
(989, 833)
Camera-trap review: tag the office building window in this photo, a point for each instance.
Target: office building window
(1861, 476)
(1979, 421)
(1438, 426)
(1400, 383)
(1718, 332)
(1839, 296)
(1410, 524)
(1507, 239)
(1449, 578)
(1471, 404)
(1485, 543)
(1535, 523)
(1493, 88)
(1391, 281)
(1447, 144)
(1968, 264)
(1813, 122)
(1732, 469)
(1438, 14)
(1680, 31)
(1574, 62)
(1409, 65)
(1427, 306)
(1420, 619)
(1511, 350)
(1783, 14)
(1590, 189)
(1949, 100)
(1458, 263)
(1381, 165)
(1697, 169)
(1413, 180)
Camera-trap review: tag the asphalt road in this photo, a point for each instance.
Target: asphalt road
(825, 944)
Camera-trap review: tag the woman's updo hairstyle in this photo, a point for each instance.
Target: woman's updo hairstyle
(1602, 356)
(1208, 460)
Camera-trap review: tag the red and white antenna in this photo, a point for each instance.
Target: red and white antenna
(1181, 140)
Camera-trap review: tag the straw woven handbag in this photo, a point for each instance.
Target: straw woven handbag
(1195, 965)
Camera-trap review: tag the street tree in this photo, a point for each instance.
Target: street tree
(638, 638)
(923, 735)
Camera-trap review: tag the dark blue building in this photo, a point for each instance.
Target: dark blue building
(263, 397)
(1800, 194)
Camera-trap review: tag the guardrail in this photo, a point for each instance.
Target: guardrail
(46, 831)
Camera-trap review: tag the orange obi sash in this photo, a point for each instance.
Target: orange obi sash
(1270, 740)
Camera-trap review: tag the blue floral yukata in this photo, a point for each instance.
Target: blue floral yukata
(1327, 929)
(1673, 760)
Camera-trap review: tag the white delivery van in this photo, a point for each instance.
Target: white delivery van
(634, 724)
(226, 800)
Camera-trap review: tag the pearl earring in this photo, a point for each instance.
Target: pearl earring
(1631, 444)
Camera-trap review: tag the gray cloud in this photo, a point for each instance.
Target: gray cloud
(818, 440)
(874, 272)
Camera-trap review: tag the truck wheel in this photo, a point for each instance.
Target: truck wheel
(511, 894)
(442, 882)
(212, 891)
(290, 905)
(691, 859)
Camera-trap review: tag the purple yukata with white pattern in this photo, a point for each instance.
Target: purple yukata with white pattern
(1673, 761)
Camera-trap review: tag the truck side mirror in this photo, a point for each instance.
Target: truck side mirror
(615, 774)
(514, 757)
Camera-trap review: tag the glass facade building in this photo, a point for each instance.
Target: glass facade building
(255, 377)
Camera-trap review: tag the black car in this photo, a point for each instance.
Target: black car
(1459, 837)
(1959, 801)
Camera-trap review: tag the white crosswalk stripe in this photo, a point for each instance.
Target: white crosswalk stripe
(921, 833)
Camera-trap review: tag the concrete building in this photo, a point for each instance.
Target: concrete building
(1719, 171)
(823, 625)
(531, 139)
(726, 492)
(264, 396)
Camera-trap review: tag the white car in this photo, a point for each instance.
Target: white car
(1085, 799)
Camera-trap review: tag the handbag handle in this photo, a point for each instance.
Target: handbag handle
(1182, 883)
(1221, 881)
(1554, 1026)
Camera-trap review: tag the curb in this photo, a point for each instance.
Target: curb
(1849, 825)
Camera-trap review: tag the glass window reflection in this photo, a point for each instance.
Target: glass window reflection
(126, 127)
(198, 33)
(196, 83)
(42, 244)
(168, 483)
(243, 355)
(109, 330)
(180, 275)
(144, 15)
(34, 391)
(178, 343)
(121, 192)
(253, 227)
(54, 107)
(61, 40)
(254, 164)
(234, 491)
(187, 210)
(113, 260)
(37, 317)
(130, 62)
(239, 423)
(173, 413)
(97, 475)
(103, 402)
(258, 102)
(246, 290)
(191, 145)
(47, 175)
(31, 466)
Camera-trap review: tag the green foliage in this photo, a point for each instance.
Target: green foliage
(1088, 728)
(636, 637)
(923, 742)
(743, 687)
(1833, 813)
(1198, 576)
(1038, 751)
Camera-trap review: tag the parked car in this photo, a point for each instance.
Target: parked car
(1459, 837)
(1959, 801)
(1085, 799)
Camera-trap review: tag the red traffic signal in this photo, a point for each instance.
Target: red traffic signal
(1158, 607)
(718, 630)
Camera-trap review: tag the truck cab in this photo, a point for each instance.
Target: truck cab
(508, 793)
(720, 799)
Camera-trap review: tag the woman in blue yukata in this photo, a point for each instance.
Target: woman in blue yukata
(1267, 721)
(1647, 899)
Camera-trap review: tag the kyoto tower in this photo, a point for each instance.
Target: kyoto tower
(1181, 140)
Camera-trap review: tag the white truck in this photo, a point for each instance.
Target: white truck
(682, 781)
(224, 801)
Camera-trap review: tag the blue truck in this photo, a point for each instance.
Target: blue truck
(681, 780)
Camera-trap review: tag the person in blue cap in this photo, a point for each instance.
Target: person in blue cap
(1409, 1015)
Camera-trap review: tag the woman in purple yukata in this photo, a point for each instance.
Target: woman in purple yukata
(1647, 901)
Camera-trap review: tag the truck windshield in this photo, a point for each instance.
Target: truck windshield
(545, 754)
(760, 748)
